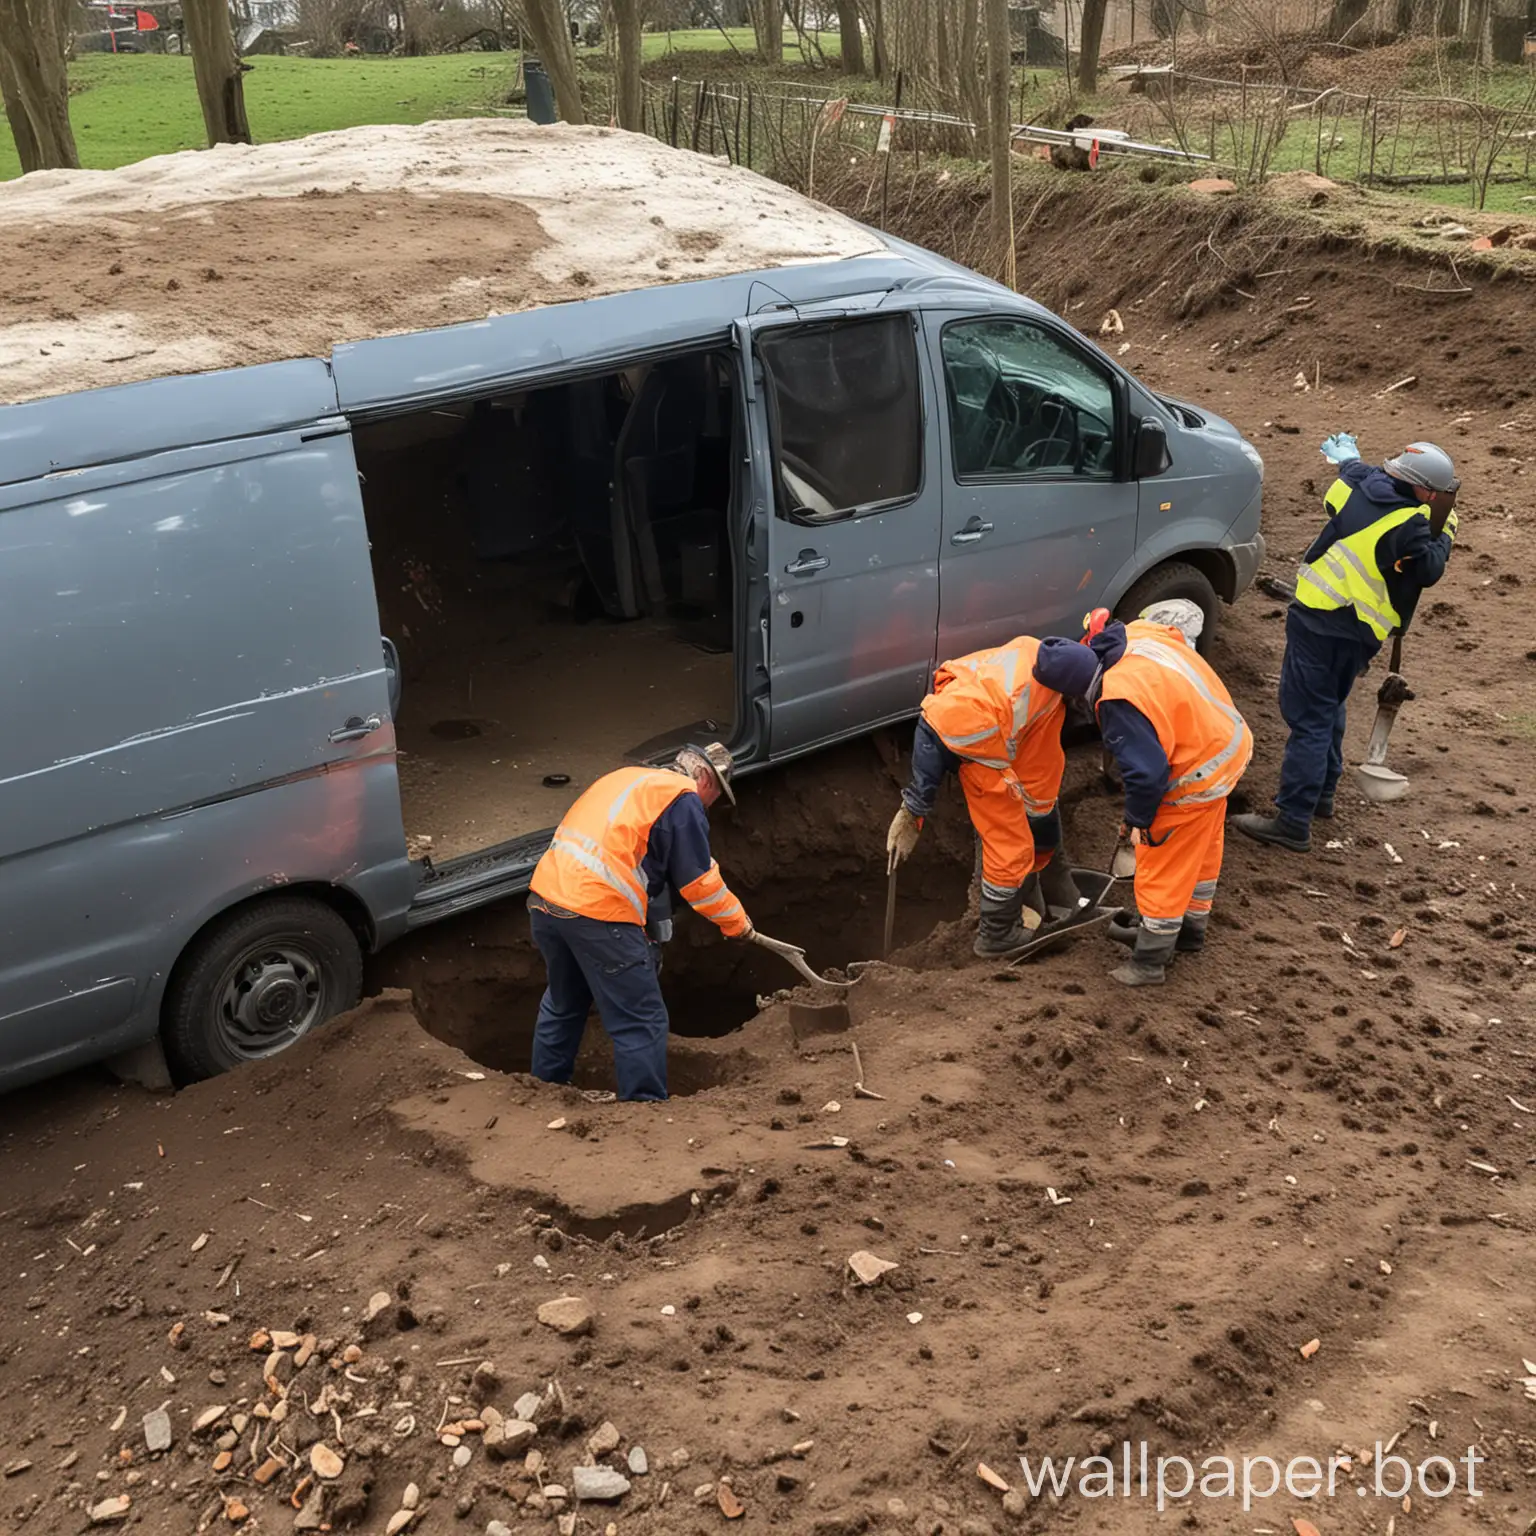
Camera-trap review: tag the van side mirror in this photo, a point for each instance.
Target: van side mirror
(1152, 456)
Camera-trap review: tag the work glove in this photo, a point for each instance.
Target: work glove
(1452, 522)
(901, 839)
(747, 934)
(1341, 448)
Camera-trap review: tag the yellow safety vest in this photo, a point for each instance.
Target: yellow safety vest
(1346, 576)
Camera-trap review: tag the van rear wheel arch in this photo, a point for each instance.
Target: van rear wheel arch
(259, 977)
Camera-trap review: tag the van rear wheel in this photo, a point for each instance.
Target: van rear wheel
(256, 981)
(1175, 579)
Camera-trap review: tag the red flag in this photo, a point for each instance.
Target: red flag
(146, 22)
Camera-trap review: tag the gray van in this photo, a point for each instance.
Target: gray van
(759, 508)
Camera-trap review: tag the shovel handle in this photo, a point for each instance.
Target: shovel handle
(1397, 653)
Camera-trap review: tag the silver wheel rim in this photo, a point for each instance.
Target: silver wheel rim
(271, 996)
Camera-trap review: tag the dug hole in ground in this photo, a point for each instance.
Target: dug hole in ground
(1115, 1217)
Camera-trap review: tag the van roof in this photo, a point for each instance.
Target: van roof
(214, 259)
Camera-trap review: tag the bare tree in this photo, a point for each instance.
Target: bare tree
(1091, 36)
(968, 63)
(629, 100)
(851, 38)
(216, 65)
(768, 24)
(35, 84)
(1000, 130)
(552, 37)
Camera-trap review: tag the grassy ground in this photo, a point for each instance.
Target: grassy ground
(127, 107)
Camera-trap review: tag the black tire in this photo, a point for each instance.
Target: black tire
(256, 981)
(1175, 579)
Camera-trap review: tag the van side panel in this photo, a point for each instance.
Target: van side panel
(182, 634)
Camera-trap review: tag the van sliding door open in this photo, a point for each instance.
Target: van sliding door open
(842, 411)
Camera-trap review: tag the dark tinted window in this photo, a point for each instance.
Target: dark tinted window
(1023, 401)
(847, 413)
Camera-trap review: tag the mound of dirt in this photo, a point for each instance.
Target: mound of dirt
(216, 258)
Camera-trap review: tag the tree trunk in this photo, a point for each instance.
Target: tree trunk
(1088, 46)
(211, 37)
(878, 40)
(35, 84)
(968, 67)
(629, 98)
(552, 37)
(768, 21)
(999, 130)
(852, 39)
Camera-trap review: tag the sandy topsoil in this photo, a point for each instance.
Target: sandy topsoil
(217, 258)
(1282, 1207)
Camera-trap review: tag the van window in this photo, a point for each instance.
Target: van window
(1025, 402)
(847, 415)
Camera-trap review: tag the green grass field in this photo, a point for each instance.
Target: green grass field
(127, 107)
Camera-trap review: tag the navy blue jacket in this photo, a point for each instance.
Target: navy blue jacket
(931, 760)
(1410, 557)
(676, 854)
(1131, 739)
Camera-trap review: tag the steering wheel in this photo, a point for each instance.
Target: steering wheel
(1035, 456)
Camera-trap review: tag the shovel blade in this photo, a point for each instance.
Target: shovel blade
(1379, 784)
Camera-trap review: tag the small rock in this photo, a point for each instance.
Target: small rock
(16, 1468)
(896, 1509)
(157, 1430)
(639, 1464)
(598, 1485)
(282, 1339)
(110, 1511)
(217, 1377)
(485, 1380)
(411, 1497)
(569, 1316)
(227, 1441)
(553, 1406)
(526, 1406)
(305, 1352)
(509, 1438)
(236, 1512)
(312, 1516)
(788, 1482)
(268, 1470)
(223, 1461)
(279, 1367)
(498, 1528)
(462, 1457)
(703, 1493)
(377, 1303)
(1015, 1504)
(398, 1521)
(555, 1493)
(680, 1457)
(605, 1438)
(324, 1461)
(533, 1463)
(208, 1418)
(565, 1525)
(352, 1354)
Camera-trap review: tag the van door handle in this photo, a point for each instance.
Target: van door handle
(973, 530)
(807, 561)
(356, 728)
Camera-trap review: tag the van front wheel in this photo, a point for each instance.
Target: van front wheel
(1175, 579)
(256, 981)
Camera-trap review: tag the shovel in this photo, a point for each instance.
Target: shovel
(796, 957)
(1378, 783)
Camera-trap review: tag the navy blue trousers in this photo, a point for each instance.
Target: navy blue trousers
(1315, 678)
(616, 966)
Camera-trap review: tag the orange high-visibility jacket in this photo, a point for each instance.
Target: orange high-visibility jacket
(1207, 743)
(592, 867)
(988, 709)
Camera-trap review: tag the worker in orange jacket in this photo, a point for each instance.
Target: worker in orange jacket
(988, 721)
(1181, 747)
(599, 909)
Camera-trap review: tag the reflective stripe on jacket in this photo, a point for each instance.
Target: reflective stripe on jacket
(593, 866)
(987, 709)
(1346, 575)
(1206, 741)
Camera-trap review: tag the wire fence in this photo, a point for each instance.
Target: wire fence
(1249, 128)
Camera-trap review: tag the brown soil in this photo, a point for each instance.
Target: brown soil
(1316, 1131)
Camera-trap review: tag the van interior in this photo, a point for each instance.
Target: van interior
(554, 569)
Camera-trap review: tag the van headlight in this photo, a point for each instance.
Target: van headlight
(1252, 454)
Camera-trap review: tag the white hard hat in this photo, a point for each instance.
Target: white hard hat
(1180, 613)
(1425, 465)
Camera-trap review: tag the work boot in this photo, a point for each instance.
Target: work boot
(1124, 926)
(1034, 898)
(1192, 935)
(1059, 888)
(1001, 930)
(1325, 808)
(1275, 830)
(1148, 964)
